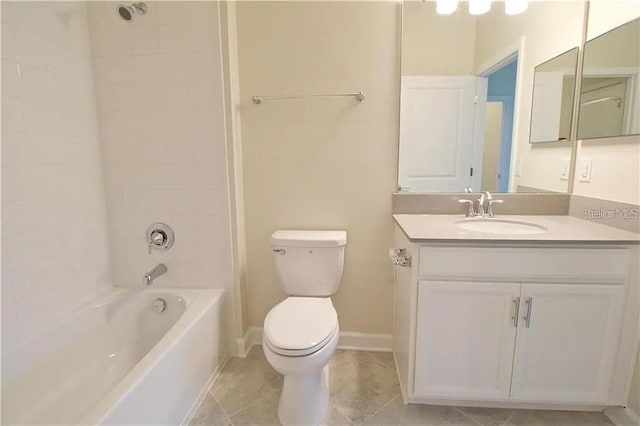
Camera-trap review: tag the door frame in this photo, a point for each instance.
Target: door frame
(504, 160)
(499, 60)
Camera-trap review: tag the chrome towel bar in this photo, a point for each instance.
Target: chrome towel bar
(259, 99)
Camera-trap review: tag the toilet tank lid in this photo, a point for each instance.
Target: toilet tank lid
(301, 238)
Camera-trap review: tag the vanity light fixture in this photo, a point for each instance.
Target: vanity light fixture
(446, 7)
(478, 7)
(515, 7)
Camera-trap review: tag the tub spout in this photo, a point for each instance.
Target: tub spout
(148, 278)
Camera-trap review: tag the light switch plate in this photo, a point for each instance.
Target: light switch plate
(564, 169)
(518, 168)
(584, 170)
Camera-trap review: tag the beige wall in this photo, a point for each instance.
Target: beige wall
(435, 44)
(321, 163)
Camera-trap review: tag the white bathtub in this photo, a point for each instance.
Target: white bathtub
(117, 361)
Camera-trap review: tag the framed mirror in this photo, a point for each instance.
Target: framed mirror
(553, 98)
(466, 95)
(610, 94)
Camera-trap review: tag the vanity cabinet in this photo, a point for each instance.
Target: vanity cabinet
(517, 325)
(519, 342)
(464, 339)
(567, 341)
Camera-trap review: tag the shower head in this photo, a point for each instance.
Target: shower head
(127, 12)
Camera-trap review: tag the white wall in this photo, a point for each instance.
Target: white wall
(321, 163)
(549, 29)
(159, 85)
(54, 230)
(615, 172)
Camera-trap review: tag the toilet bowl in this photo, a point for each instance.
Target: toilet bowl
(301, 333)
(300, 338)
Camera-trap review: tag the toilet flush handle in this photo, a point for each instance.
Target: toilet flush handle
(281, 252)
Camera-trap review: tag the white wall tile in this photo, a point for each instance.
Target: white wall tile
(201, 66)
(163, 140)
(53, 196)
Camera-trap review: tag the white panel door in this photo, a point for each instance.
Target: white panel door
(547, 106)
(567, 342)
(436, 133)
(465, 338)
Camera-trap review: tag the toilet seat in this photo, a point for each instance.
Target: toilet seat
(299, 326)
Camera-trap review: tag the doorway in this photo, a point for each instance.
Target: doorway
(498, 135)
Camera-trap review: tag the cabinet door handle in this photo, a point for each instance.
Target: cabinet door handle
(527, 317)
(516, 309)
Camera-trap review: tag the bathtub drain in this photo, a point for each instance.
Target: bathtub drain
(159, 305)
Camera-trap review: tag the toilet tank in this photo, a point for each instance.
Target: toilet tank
(309, 263)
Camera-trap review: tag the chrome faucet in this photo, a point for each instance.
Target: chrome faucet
(484, 196)
(148, 278)
(485, 199)
(490, 207)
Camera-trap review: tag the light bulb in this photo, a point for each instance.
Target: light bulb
(446, 7)
(514, 7)
(478, 7)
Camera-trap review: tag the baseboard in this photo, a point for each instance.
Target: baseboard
(243, 344)
(365, 341)
(348, 340)
(203, 393)
(622, 416)
(252, 337)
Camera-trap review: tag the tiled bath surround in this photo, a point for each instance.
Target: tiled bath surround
(160, 105)
(54, 233)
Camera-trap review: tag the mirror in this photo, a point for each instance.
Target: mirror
(610, 94)
(609, 167)
(467, 92)
(553, 98)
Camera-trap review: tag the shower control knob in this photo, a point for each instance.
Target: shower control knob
(160, 236)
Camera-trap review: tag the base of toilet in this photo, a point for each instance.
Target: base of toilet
(304, 399)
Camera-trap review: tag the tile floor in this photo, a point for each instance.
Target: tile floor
(364, 390)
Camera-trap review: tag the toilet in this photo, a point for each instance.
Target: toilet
(301, 332)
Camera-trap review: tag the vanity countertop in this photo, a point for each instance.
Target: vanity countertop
(560, 229)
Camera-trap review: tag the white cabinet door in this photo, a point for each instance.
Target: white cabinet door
(567, 342)
(437, 119)
(465, 338)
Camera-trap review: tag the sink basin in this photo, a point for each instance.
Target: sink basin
(500, 226)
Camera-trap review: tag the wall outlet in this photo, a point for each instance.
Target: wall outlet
(564, 169)
(518, 172)
(584, 170)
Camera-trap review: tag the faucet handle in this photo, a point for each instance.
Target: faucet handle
(470, 212)
(490, 207)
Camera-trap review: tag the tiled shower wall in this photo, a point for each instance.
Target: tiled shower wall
(54, 221)
(159, 87)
